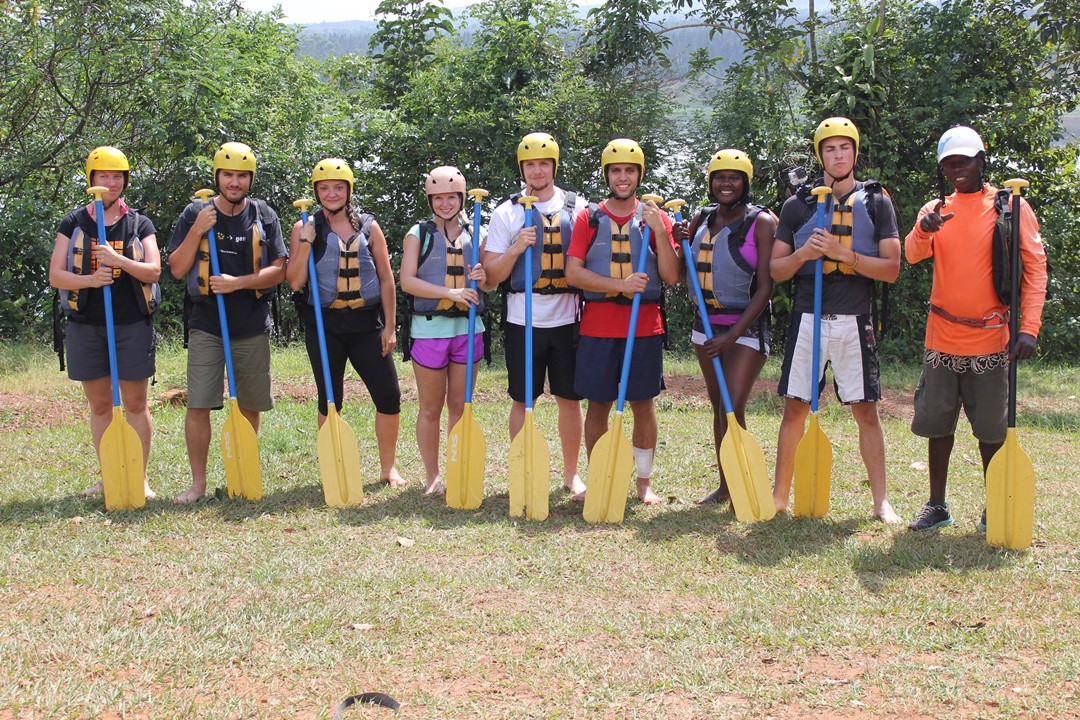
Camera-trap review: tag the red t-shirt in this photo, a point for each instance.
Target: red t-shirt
(609, 319)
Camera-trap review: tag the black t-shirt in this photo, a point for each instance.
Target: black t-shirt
(247, 315)
(840, 294)
(125, 309)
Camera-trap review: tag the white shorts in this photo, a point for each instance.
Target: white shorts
(847, 344)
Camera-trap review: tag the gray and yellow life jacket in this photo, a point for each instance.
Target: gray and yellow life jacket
(345, 269)
(725, 276)
(198, 277)
(852, 224)
(80, 261)
(442, 262)
(549, 252)
(615, 252)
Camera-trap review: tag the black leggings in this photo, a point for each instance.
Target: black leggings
(364, 351)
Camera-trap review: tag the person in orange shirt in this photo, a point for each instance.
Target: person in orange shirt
(968, 348)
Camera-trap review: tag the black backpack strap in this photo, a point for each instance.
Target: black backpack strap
(58, 329)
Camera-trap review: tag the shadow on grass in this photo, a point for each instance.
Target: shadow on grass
(878, 565)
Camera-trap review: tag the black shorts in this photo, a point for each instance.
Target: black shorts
(599, 367)
(554, 351)
(88, 350)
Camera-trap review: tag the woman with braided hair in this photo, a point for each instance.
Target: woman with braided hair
(359, 303)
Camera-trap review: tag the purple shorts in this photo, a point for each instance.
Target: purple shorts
(437, 353)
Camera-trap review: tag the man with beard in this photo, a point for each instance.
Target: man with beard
(602, 261)
(251, 257)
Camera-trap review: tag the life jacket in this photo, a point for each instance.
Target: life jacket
(852, 224)
(725, 276)
(549, 252)
(443, 263)
(344, 269)
(81, 261)
(198, 277)
(615, 252)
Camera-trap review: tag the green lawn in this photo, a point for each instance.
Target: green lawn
(278, 609)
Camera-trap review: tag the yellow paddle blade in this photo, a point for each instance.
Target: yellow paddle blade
(530, 468)
(339, 462)
(746, 474)
(1010, 496)
(240, 455)
(121, 465)
(813, 472)
(610, 466)
(465, 453)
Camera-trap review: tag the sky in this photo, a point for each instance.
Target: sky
(314, 11)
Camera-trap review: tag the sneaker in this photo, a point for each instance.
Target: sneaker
(931, 517)
(982, 522)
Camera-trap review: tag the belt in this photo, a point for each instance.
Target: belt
(992, 321)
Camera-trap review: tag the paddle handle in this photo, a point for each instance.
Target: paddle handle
(703, 311)
(815, 364)
(1016, 185)
(528, 201)
(631, 330)
(313, 287)
(215, 270)
(110, 327)
(477, 195)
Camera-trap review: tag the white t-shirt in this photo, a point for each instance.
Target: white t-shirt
(548, 310)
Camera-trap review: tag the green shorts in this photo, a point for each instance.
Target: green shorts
(980, 384)
(206, 371)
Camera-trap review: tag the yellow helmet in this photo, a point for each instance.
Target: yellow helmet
(331, 169)
(537, 146)
(622, 150)
(234, 156)
(835, 127)
(107, 157)
(731, 159)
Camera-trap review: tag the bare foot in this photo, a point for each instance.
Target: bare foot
(781, 504)
(190, 495)
(719, 495)
(435, 488)
(578, 497)
(887, 515)
(575, 487)
(645, 493)
(394, 479)
(150, 494)
(97, 489)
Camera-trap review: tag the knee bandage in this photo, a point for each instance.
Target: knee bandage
(643, 461)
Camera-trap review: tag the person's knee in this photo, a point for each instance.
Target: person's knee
(866, 416)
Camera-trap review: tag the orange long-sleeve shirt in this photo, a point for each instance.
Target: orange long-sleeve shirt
(963, 273)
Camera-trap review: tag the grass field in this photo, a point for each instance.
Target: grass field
(279, 609)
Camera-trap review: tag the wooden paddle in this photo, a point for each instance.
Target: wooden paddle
(741, 457)
(1010, 476)
(530, 462)
(239, 443)
(611, 462)
(123, 467)
(339, 454)
(813, 456)
(465, 446)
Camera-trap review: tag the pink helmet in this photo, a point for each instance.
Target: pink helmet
(444, 179)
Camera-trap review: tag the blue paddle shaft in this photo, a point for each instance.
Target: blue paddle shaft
(631, 331)
(528, 316)
(110, 327)
(313, 286)
(211, 238)
(815, 364)
(691, 274)
(469, 351)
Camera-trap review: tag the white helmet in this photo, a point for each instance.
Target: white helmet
(960, 140)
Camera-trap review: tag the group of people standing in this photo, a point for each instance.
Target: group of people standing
(584, 278)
